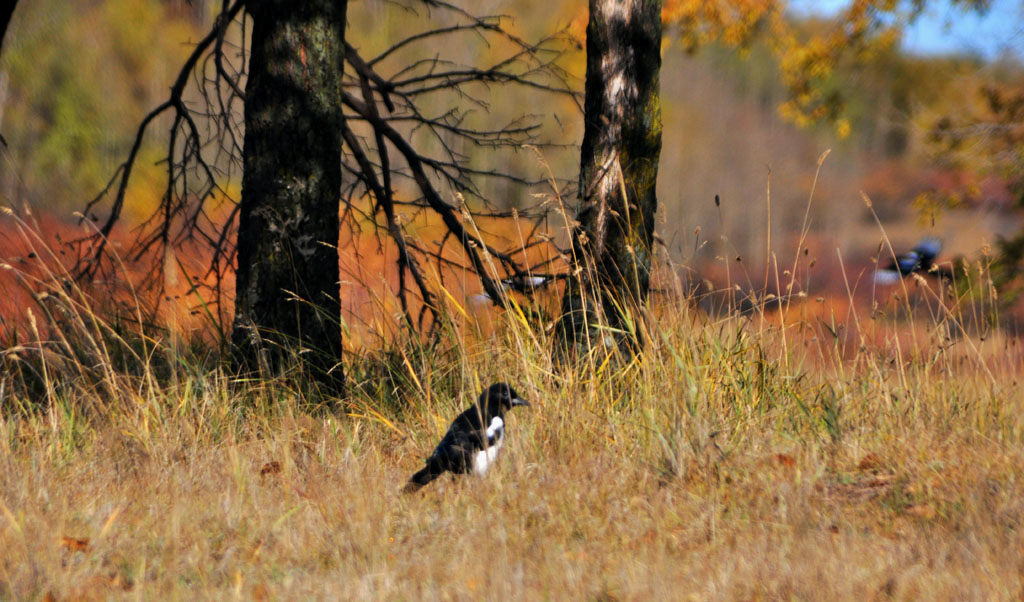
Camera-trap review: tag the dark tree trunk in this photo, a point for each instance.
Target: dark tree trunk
(288, 277)
(6, 10)
(618, 169)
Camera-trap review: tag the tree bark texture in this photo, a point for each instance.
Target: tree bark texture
(288, 276)
(6, 11)
(612, 239)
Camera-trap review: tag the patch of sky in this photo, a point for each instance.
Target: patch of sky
(946, 29)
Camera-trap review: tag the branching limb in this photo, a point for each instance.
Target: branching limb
(386, 127)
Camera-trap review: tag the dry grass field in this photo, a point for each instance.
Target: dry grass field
(832, 440)
(801, 455)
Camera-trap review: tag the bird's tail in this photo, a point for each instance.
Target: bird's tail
(421, 478)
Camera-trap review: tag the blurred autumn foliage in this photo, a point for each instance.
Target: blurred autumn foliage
(75, 76)
(752, 95)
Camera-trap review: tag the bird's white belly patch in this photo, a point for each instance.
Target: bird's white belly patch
(483, 459)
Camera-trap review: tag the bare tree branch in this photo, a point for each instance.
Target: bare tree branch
(384, 114)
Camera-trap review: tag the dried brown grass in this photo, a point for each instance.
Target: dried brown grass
(710, 470)
(738, 458)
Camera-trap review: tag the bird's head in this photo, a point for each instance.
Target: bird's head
(499, 397)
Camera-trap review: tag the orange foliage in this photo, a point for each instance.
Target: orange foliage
(370, 279)
(38, 263)
(826, 319)
(38, 258)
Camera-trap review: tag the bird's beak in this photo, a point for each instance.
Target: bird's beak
(520, 402)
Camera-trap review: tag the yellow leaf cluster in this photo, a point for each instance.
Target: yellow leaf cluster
(808, 51)
(735, 22)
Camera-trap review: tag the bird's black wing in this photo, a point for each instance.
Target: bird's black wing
(455, 452)
(464, 438)
(907, 263)
(928, 249)
(920, 259)
(896, 269)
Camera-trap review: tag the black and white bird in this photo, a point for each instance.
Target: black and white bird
(920, 259)
(526, 284)
(473, 440)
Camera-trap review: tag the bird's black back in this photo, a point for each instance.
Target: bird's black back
(465, 436)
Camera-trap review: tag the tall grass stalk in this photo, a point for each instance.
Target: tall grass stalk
(793, 454)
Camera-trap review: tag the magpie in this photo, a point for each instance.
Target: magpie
(474, 438)
(526, 284)
(920, 259)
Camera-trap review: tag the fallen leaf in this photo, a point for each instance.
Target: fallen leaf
(73, 544)
(785, 460)
(260, 593)
(870, 462)
(273, 467)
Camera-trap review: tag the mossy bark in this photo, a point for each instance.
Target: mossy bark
(612, 240)
(288, 276)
